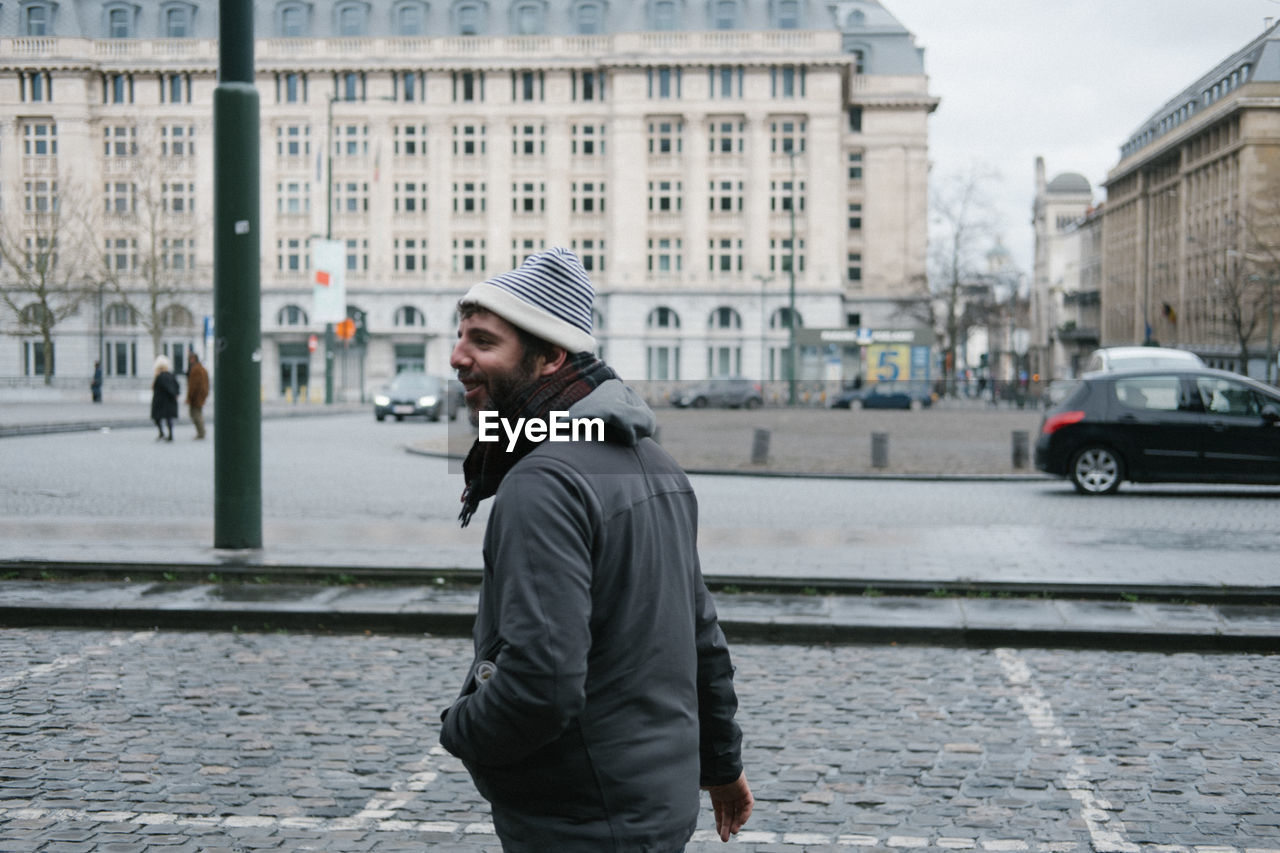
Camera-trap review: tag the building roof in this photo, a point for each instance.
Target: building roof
(1070, 182)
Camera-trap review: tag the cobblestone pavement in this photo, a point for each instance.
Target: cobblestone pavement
(117, 741)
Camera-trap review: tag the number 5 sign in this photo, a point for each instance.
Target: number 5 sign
(889, 362)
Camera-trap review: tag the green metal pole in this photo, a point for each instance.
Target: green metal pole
(791, 309)
(329, 339)
(237, 380)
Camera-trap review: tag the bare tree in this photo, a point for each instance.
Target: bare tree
(150, 229)
(962, 224)
(45, 260)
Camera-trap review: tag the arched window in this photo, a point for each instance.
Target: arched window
(663, 318)
(176, 19)
(724, 14)
(292, 20)
(291, 315)
(528, 17)
(588, 17)
(857, 18)
(120, 314)
(407, 315)
(351, 19)
(663, 15)
(786, 14)
(408, 18)
(176, 316)
(37, 19)
(781, 319)
(119, 19)
(724, 318)
(469, 17)
(34, 315)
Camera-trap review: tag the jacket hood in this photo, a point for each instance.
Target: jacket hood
(627, 417)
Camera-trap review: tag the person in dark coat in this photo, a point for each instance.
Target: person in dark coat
(164, 398)
(96, 385)
(197, 391)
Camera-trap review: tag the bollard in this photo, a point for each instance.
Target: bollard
(1020, 440)
(760, 447)
(879, 450)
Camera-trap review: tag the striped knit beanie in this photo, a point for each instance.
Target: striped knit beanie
(549, 296)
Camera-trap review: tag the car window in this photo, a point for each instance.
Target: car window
(1157, 393)
(1224, 397)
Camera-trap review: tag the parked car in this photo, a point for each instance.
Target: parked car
(883, 395)
(1124, 358)
(733, 393)
(414, 394)
(1161, 425)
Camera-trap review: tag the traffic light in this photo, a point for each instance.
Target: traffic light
(362, 328)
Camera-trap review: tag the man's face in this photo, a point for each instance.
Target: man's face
(488, 357)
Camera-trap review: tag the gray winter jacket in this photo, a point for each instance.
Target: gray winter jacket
(602, 691)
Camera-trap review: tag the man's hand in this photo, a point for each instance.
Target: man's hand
(732, 803)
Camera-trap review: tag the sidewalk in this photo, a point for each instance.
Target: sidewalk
(142, 582)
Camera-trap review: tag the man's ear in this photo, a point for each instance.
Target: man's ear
(551, 366)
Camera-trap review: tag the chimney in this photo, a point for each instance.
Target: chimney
(1266, 23)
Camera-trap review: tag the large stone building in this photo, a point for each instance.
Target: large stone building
(1191, 230)
(687, 151)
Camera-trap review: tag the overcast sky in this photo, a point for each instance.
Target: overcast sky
(1067, 80)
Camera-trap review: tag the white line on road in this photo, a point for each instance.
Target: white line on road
(1105, 830)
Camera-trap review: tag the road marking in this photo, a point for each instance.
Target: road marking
(67, 661)
(1105, 830)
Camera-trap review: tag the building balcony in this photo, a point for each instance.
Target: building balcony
(39, 166)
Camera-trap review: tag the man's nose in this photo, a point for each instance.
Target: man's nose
(457, 358)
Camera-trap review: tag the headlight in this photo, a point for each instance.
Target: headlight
(381, 400)
(427, 402)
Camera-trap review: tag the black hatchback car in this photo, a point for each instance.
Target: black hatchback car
(414, 394)
(1162, 425)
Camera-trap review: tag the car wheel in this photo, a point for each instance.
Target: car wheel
(380, 418)
(1096, 470)
(399, 418)
(700, 403)
(753, 403)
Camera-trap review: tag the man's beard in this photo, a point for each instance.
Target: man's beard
(502, 390)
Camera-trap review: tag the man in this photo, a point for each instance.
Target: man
(197, 391)
(95, 385)
(601, 696)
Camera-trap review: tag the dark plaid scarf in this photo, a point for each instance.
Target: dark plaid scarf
(488, 462)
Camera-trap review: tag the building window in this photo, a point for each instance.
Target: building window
(36, 86)
(180, 140)
(666, 196)
(409, 140)
(590, 251)
(351, 20)
(117, 88)
(36, 19)
(176, 89)
(855, 217)
(780, 255)
(855, 119)
(786, 14)
(855, 165)
(527, 86)
(350, 197)
(407, 315)
(528, 198)
(468, 197)
(291, 315)
(726, 136)
(663, 363)
(787, 136)
(410, 197)
(293, 197)
(120, 254)
(178, 197)
(662, 318)
(292, 140)
(662, 15)
(522, 248)
(33, 358)
(724, 255)
(410, 86)
(588, 140)
(468, 87)
(292, 20)
(351, 140)
(408, 18)
(527, 18)
(665, 255)
(725, 81)
(40, 140)
(349, 85)
(468, 18)
(665, 83)
(468, 140)
(788, 81)
(528, 140)
(121, 197)
(588, 85)
(725, 196)
(178, 255)
(357, 255)
(724, 14)
(724, 318)
(587, 197)
(855, 266)
(177, 22)
(665, 137)
(468, 256)
(410, 254)
(120, 141)
(783, 195)
(119, 23)
(588, 18)
(40, 196)
(291, 255)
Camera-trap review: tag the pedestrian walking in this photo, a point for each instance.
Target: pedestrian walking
(197, 391)
(95, 385)
(601, 696)
(164, 397)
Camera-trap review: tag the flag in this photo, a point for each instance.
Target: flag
(377, 162)
(1170, 314)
